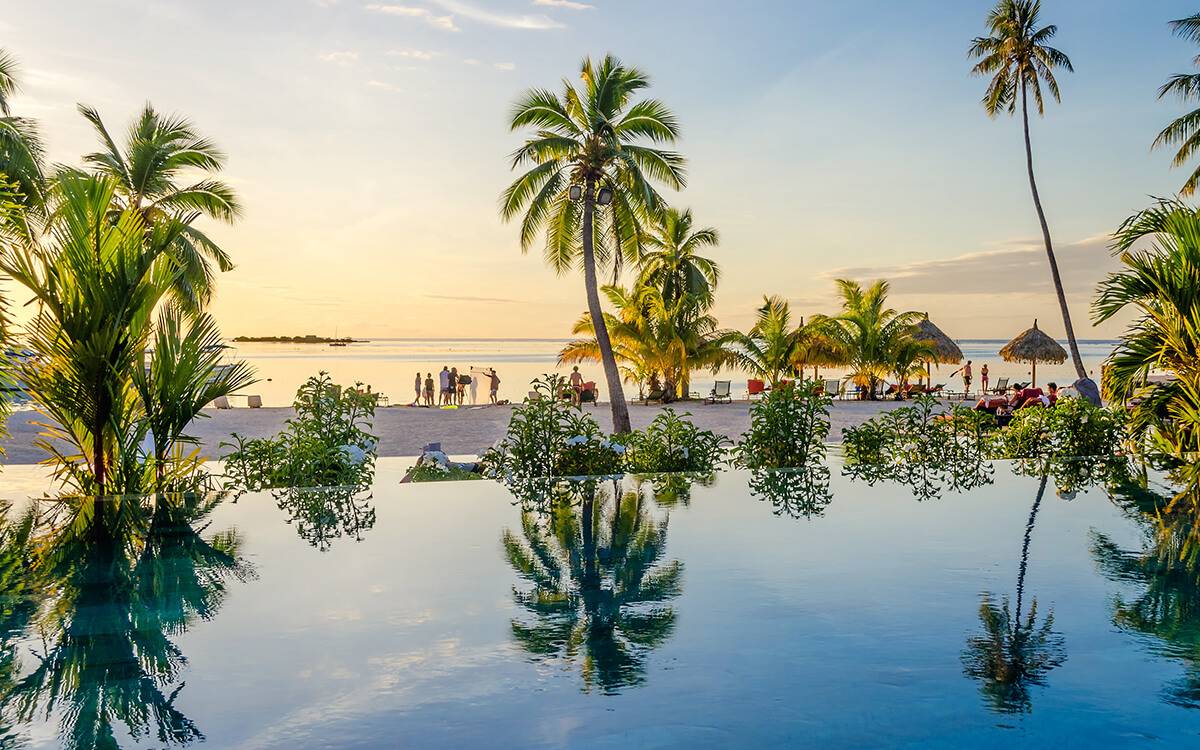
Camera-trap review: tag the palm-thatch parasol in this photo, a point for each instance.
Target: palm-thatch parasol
(815, 350)
(947, 351)
(1033, 346)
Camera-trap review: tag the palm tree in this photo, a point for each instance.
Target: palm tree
(672, 265)
(1184, 130)
(908, 361)
(869, 333)
(770, 349)
(157, 151)
(98, 277)
(21, 149)
(1162, 284)
(1018, 59)
(589, 144)
(653, 340)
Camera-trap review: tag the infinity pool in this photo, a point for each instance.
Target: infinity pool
(767, 610)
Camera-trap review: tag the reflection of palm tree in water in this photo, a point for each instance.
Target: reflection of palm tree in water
(1169, 605)
(1014, 654)
(118, 583)
(599, 593)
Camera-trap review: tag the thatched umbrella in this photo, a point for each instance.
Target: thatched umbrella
(816, 351)
(1033, 346)
(947, 351)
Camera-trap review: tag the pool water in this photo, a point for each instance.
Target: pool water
(786, 609)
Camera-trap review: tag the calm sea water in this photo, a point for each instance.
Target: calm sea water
(390, 365)
(763, 610)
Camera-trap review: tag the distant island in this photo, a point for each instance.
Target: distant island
(309, 339)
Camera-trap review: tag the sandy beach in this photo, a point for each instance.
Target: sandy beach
(404, 430)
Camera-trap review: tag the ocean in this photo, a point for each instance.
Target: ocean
(390, 365)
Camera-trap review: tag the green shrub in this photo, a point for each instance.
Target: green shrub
(671, 444)
(548, 437)
(787, 428)
(921, 433)
(1072, 428)
(324, 445)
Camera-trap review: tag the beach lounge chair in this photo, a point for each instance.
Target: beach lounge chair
(655, 397)
(755, 387)
(937, 389)
(221, 402)
(588, 393)
(833, 388)
(721, 391)
(1001, 386)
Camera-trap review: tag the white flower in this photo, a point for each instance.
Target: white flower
(368, 446)
(617, 448)
(685, 452)
(437, 457)
(577, 440)
(353, 454)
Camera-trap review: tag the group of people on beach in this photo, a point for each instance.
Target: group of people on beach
(452, 386)
(1019, 398)
(966, 376)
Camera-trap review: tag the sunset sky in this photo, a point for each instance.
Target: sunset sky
(368, 142)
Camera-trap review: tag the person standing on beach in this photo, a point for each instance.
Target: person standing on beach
(444, 379)
(453, 386)
(474, 386)
(494, 384)
(417, 388)
(576, 386)
(983, 379)
(429, 389)
(966, 376)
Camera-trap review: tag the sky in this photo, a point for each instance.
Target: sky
(369, 144)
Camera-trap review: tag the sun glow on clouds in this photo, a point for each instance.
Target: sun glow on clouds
(341, 58)
(416, 54)
(467, 10)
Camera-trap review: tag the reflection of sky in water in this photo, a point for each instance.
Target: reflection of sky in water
(841, 629)
(389, 365)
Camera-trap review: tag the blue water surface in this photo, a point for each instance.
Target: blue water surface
(739, 610)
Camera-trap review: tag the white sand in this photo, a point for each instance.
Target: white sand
(404, 430)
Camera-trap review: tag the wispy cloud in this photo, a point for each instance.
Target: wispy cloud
(416, 54)
(445, 23)
(1021, 266)
(504, 66)
(341, 58)
(466, 10)
(382, 85)
(454, 298)
(564, 4)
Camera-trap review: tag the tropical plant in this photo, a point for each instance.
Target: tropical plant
(97, 277)
(654, 341)
(590, 144)
(1184, 130)
(1018, 59)
(671, 443)
(671, 263)
(870, 335)
(184, 374)
(157, 151)
(1161, 285)
(770, 349)
(597, 587)
(787, 429)
(21, 148)
(908, 361)
(797, 492)
(325, 445)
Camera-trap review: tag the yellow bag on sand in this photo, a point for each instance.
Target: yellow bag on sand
(450, 406)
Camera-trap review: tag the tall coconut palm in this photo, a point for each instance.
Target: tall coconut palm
(868, 332)
(595, 144)
(770, 349)
(159, 150)
(671, 263)
(1184, 130)
(1018, 58)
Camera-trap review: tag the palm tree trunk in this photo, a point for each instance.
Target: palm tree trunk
(620, 410)
(1058, 287)
(1037, 503)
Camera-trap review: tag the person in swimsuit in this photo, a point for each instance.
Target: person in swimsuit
(494, 384)
(417, 387)
(429, 389)
(576, 386)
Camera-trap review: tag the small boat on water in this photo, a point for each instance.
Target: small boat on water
(11, 362)
(337, 343)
